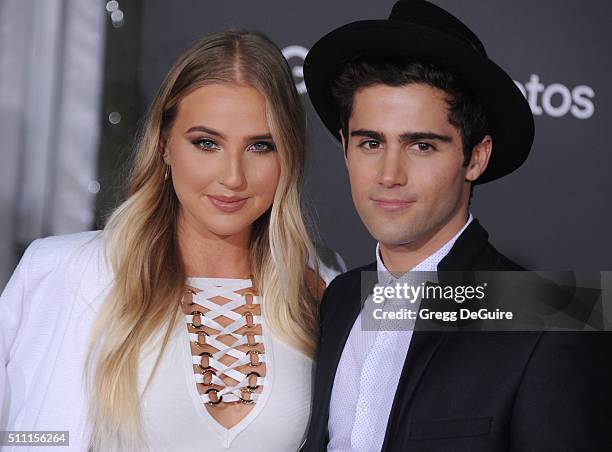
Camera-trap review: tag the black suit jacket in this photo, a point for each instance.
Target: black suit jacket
(477, 391)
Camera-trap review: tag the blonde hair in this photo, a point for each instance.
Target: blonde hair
(142, 244)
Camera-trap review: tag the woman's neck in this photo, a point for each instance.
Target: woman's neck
(206, 254)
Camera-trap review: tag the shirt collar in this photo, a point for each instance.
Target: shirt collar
(431, 262)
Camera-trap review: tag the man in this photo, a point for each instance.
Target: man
(423, 115)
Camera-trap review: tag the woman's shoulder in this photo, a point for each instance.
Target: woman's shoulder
(48, 279)
(61, 257)
(50, 252)
(68, 242)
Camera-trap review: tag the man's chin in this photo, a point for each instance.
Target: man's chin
(392, 238)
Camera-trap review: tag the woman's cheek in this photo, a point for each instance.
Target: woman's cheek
(197, 175)
(265, 174)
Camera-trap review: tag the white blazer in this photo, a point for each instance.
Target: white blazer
(46, 314)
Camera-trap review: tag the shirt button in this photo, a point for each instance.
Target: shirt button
(363, 406)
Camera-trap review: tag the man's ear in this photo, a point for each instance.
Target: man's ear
(480, 159)
(344, 146)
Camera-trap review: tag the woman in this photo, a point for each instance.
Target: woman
(190, 321)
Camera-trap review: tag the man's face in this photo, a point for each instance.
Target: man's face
(405, 165)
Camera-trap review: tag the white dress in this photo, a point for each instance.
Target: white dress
(46, 313)
(176, 418)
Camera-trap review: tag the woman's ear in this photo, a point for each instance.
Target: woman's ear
(163, 150)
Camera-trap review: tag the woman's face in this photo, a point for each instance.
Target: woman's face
(224, 163)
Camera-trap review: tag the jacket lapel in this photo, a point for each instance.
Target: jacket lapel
(336, 326)
(423, 346)
(466, 253)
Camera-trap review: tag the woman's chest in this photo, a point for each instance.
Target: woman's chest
(175, 418)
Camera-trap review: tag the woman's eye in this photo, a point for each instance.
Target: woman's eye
(205, 144)
(262, 146)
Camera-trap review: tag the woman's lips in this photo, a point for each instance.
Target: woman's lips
(392, 205)
(227, 203)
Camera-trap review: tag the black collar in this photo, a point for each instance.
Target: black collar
(464, 253)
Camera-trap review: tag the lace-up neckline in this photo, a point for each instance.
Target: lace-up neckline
(224, 324)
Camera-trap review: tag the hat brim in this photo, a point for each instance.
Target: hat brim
(510, 119)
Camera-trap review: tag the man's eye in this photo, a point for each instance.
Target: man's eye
(424, 147)
(205, 144)
(262, 146)
(371, 144)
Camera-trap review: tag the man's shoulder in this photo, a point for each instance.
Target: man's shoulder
(494, 260)
(350, 278)
(473, 251)
(345, 288)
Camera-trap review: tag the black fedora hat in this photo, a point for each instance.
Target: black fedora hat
(420, 30)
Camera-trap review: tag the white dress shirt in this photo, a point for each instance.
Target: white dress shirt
(368, 374)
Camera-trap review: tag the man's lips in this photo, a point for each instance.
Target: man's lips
(227, 203)
(392, 204)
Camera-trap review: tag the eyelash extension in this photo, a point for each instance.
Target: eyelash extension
(271, 147)
(197, 142)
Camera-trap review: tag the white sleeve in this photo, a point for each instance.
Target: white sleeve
(331, 263)
(12, 303)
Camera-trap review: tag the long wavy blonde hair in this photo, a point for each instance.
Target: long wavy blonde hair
(142, 247)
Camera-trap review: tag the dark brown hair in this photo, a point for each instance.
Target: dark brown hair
(464, 111)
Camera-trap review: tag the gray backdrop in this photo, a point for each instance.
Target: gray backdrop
(553, 213)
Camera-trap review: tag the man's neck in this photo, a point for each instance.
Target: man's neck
(401, 258)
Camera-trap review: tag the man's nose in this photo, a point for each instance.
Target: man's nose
(392, 171)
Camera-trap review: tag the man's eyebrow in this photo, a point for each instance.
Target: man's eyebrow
(416, 136)
(205, 130)
(368, 134)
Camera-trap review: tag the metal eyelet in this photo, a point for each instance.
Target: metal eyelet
(188, 296)
(219, 397)
(201, 334)
(207, 365)
(249, 385)
(210, 371)
(248, 316)
(242, 399)
(199, 317)
(249, 299)
(254, 356)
